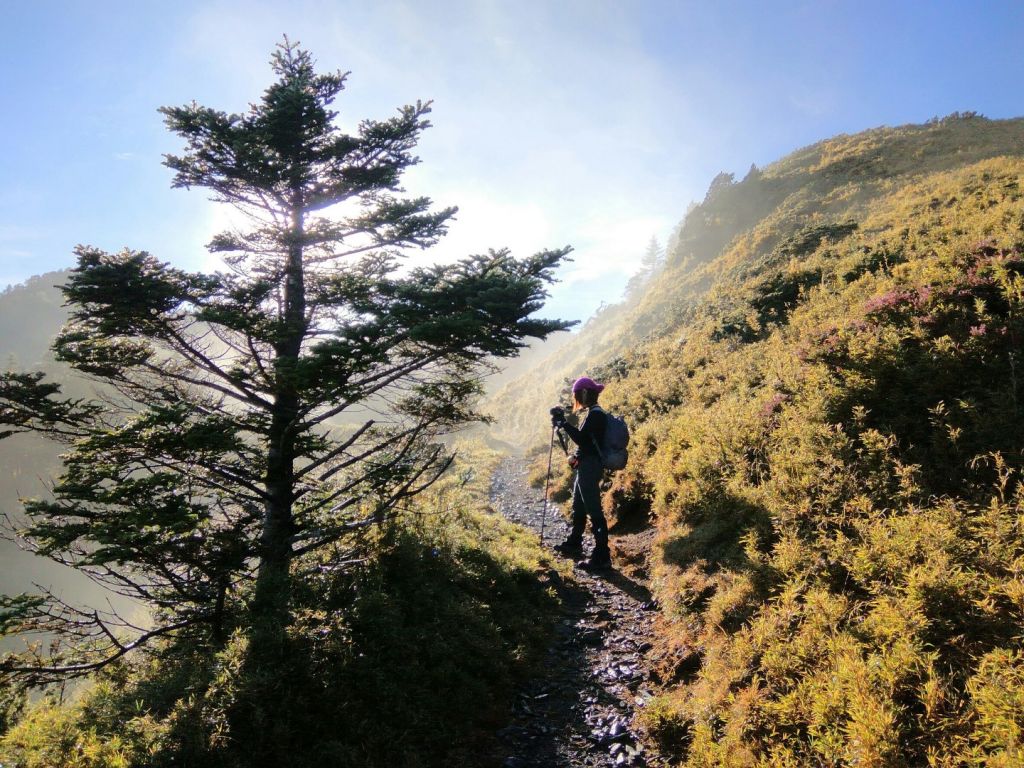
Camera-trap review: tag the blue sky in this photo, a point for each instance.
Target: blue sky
(586, 122)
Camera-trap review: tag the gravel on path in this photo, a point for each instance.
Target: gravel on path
(581, 712)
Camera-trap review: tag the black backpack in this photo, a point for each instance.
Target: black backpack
(612, 450)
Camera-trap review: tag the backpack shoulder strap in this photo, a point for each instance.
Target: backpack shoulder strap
(596, 407)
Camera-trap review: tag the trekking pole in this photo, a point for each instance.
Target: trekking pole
(547, 483)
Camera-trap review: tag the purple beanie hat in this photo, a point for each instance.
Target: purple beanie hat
(587, 383)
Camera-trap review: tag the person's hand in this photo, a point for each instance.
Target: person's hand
(574, 461)
(557, 417)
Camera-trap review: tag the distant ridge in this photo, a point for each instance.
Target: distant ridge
(31, 314)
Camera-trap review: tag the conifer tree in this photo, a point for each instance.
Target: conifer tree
(651, 263)
(257, 417)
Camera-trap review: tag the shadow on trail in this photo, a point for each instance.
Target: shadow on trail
(548, 728)
(634, 589)
(578, 710)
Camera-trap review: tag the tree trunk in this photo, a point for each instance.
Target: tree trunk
(270, 603)
(273, 583)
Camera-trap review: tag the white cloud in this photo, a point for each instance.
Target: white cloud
(484, 222)
(614, 247)
(12, 254)
(550, 122)
(812, 101)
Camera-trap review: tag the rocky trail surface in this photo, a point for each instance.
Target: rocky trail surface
(580, 712)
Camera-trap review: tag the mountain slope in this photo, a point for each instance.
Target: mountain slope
(31, 314)
(745, 225)
(829, 438)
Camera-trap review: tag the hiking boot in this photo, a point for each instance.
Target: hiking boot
(599, 561)
(569, 548)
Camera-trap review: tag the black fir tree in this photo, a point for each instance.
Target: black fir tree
(252, 417)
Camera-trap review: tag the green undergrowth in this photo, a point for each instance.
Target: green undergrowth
(407, 658)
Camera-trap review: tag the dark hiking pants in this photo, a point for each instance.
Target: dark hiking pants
(586, 502)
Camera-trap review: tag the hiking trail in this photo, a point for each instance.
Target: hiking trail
(580, 713)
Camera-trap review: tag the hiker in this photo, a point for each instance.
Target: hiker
(586, 460)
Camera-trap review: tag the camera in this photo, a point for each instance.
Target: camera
(557, 416)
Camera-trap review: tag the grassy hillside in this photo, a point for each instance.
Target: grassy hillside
(825, 390)
(742, 223)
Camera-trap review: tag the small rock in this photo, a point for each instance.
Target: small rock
(591, 637)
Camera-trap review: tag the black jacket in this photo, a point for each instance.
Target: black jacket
(591, 430)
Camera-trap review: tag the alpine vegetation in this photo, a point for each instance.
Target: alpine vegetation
(824, 394)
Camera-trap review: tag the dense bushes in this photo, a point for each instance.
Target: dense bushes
(831, 443)
(407, 660)
(840, 553)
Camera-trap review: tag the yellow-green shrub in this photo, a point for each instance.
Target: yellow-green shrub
(837, 490)
(408, 660)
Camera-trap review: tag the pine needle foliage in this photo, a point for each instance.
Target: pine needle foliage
(411, 660)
